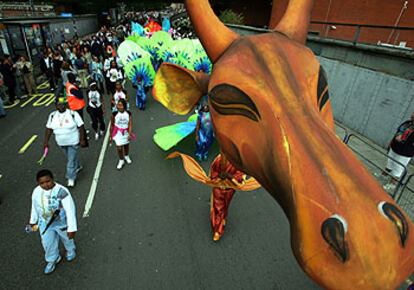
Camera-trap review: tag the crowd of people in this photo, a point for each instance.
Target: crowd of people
(89, 64)
(84, 74)
(89, 58)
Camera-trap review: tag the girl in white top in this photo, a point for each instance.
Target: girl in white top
(117, 95)
(96, 109)
(121, 132)
(113, 74)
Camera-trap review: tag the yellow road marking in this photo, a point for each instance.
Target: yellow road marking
(51, 101)
(43, 100)
(12, 105)
(28, 143)
(32, 97)
(44, 85)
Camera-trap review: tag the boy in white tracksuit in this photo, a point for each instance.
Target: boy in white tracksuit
(49, 199)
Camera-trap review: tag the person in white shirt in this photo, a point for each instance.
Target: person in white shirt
(109, 59)
(121, 132)
(53, 213)
(96, 109)
(117, 95)
(70, 134)
(114, 74)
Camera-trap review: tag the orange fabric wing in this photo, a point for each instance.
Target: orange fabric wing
(196, 172)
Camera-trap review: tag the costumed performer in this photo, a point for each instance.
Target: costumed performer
(141, 95)
(225, 180)
(204, 132)
(221, 169)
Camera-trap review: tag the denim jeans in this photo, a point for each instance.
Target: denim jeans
(73, 163)
(50, 241)
(2, 111)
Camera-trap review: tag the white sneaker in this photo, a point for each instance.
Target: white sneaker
(102, 133)
(96, 136)
(121, 164)
(127, 159)
(71, 183)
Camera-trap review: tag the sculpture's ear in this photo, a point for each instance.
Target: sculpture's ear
(179, 89)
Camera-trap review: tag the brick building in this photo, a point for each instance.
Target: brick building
(398, 13)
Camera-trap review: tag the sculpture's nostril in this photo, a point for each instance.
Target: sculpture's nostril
(333, 231)
(392, 213)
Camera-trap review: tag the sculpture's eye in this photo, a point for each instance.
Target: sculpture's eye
(229, 100)
(334, 230)
(392, 213)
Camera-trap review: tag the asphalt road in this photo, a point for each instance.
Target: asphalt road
(149, 224)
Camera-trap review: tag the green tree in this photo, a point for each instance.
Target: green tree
(231, 17)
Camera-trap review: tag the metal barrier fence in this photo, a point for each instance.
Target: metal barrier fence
(392, 38)
(343, 128)
(405, 197)
(384, 176)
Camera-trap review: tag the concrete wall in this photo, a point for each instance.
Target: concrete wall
(62, 27)
(395, 62)
(84, 26)
(371, 88)
(369, 102)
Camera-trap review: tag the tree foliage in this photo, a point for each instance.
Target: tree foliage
(231, 17)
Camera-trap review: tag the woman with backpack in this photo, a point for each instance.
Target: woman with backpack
(26, 69)
(96, 68)
(70, 135)
(82, 68)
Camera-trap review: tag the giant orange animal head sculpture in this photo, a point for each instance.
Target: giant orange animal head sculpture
(272, 117)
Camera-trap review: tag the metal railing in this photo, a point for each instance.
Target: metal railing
(359, 27)
(405, 197)
(404, 190)
(380, 167)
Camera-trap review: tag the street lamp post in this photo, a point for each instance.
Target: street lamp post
(32, 6)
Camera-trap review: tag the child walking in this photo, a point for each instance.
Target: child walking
(121, 129)
(53, 214)
(96, 109)
(114, 74)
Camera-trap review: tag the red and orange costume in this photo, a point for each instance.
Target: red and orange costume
(222, 169)
(225, 179)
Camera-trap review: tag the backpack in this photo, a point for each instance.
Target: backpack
(72, 113)
(80, 64)
(25, 69)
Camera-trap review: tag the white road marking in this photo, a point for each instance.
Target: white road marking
(28, 143)
(94, 185)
